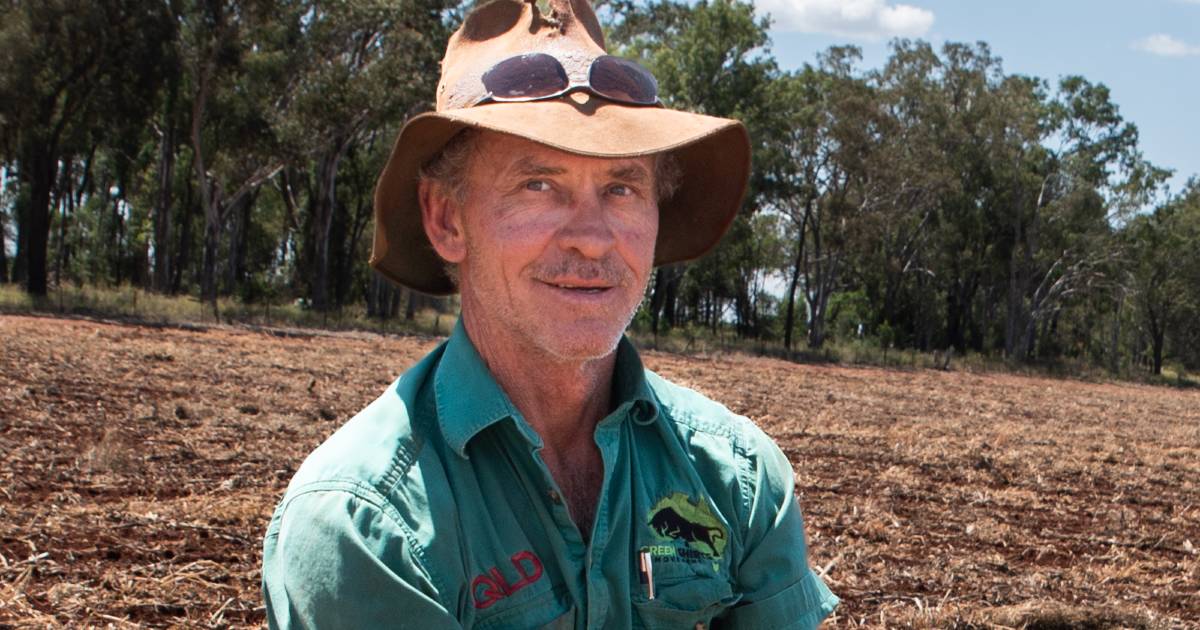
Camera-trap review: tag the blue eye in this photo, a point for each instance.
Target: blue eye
(620, 190)
(537, 185)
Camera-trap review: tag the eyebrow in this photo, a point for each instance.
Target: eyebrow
(632, 172)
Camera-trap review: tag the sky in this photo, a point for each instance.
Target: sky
(1147, 51)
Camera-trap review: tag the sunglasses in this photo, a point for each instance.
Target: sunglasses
(538, 76)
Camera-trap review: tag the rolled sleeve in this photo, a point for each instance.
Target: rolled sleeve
(802, 605)
(779, 590)
(334, 559)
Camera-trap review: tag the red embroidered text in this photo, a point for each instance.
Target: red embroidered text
(493, 586)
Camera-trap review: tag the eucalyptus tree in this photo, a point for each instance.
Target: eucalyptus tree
(1059, 206)
(822, 180)
(803, 151)
(234, 61)
(935, 181)
(1164, 258)
(73, 74)
(363, 68)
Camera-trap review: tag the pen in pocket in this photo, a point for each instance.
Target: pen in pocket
(646, 572)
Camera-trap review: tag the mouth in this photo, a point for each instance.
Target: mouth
(583, 288)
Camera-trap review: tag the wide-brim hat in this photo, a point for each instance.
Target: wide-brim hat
(712, 153)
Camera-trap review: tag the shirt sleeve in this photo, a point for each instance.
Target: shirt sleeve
(779, 590)
(334, 559)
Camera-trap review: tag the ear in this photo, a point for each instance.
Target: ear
(441, 215)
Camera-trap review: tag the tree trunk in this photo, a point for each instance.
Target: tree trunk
(657, 298)
(162, 211)
(38, 169)
(816, 327)
(183, 251)
(374, 297)
(292, 232)
(4, 249)
(1157, 343)
(1157, 322)
(63, 204)
(820, 279)
(208, 273)
(393, 307)
(1016, 294)
(3, 252)
(1114, 357)
(210, 193)
(789, 321)
(322, 204)
(118, 235)
(240, 208)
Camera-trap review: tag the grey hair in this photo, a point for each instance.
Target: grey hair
(449, 168)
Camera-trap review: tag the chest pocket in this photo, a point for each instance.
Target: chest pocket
(548, 610)
(683, 602)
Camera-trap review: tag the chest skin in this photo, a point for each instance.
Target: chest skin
(579, 474)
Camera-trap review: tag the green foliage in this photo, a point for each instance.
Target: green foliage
(847, 311)
(937, 201)
(1165, 271)
(73, 75)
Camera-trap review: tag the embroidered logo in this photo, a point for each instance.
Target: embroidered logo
(678, 518)
(492, 586)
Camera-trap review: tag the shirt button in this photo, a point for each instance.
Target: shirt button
(555, 497)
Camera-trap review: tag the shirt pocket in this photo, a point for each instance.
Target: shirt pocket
(545, 610)
(683, 603)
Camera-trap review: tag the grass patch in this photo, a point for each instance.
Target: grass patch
(132, 303)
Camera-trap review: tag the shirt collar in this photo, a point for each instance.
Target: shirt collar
(631, 392)
(470, 400)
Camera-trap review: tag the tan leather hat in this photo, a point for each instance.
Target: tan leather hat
(713, 153)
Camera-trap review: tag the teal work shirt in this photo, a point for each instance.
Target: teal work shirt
(432, 508)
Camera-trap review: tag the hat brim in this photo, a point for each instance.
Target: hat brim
(713, 153)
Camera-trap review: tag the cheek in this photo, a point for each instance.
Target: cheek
(512, 236)
(639, 237)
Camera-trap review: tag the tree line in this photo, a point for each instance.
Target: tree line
(229, 148)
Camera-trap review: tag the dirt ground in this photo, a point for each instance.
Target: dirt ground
(139, 467)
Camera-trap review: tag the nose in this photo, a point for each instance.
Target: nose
(587, 229)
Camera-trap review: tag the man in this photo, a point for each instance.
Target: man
(529, 472)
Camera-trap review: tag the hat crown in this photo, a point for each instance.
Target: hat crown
(501, 29)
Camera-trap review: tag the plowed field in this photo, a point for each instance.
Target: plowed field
(139, 466)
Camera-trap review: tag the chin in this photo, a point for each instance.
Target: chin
(580, 343)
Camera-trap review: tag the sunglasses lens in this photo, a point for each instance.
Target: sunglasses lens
(526, 77)
(623, 80)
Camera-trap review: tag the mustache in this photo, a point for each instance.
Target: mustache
(607, 270)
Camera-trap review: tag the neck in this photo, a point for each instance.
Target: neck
(562, 399)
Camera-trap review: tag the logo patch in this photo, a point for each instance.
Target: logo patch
(678, 518)
(494, 586)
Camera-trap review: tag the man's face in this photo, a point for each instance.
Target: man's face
(557, 248)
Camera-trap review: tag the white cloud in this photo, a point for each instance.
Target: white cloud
(863, 19)
(1166, 46)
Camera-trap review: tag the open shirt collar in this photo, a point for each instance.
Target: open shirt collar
(470, 400)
